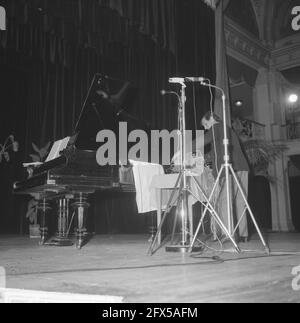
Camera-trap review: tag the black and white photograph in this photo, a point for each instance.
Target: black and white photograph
(149, 154)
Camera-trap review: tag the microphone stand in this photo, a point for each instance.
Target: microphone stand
(182, 199)
(227, 167)
(183, 187)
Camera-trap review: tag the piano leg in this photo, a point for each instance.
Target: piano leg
(81, 206)
(43, 209)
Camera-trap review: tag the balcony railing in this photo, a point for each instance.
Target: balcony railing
(293, 130)
(248, 129)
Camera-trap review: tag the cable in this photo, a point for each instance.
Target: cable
(210, 248)
(262, 254)
(275, 253)
(256, 257)
(213, 130)
(211, 97)
(194, 106)
(214, 143)
(204, 244)
(178, 125)
(211, 260)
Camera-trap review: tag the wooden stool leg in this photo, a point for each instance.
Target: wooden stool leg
(62, 235)
(81, 206)
(43, 208)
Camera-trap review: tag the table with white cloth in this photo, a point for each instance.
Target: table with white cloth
(154, 188)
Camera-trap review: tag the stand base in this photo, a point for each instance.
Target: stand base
(183, 248)
(267, 249)
(60, 242)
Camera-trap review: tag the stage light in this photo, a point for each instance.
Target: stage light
(238, 103)
(293, 98)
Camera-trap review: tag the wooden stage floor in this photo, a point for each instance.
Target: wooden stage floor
(118, 265)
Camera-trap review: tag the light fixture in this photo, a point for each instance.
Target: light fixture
(293, 98)
(238, 103)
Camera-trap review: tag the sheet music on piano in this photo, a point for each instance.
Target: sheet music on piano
(57, 147)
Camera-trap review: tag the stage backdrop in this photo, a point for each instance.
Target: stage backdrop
(49, 54)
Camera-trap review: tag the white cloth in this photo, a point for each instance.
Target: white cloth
(145, 193)
(150, 177)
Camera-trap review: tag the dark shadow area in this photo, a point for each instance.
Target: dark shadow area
(295, 200)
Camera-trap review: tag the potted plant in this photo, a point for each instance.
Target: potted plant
(32, 216)
(261, 153)
(40, 153)
(9, 143)
(32, 208)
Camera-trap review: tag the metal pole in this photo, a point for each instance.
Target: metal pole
(226, 163)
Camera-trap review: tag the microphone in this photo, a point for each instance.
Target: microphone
(176, 80)
(164, 92)
(195, 79)
(186, 79)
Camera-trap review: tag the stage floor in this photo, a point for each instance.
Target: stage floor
(118, 265)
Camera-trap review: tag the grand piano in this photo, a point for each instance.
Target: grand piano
(70, 178)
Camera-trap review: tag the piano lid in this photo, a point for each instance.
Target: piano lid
(106, 101)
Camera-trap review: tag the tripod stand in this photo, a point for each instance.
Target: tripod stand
(227, 168)
(183, 186)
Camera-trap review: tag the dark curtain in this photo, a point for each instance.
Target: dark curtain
(52, 49)
(294, 184)
(195, 55)
(13, 112)
(259, 197)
